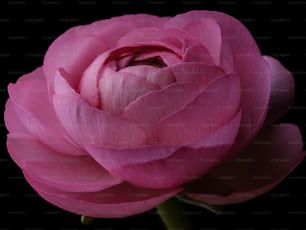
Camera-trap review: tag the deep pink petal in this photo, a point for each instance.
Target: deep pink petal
(197, 53)
(164, 166)
(216, 105)
(32, 106)
(208, 33)
(148, 109)
(116, 202)
(265, 163)
(255, 77)
(67, 173)
(118, 89)
(86, 124)
(194, 72)
(282, 90)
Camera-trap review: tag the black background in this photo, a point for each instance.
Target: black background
(279, 29)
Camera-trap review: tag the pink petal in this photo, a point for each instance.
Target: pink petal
(67, 173)
(216, 105)
(12, 121)
(118, 89)
(282, 90)
(148, 109)
(157, 76)
(32, 106)
(164, 166)
(208, 33)
(255, 79)
(116, 202)
(264, 164)
(86, 124)
(197, 73)
(197, 53)
(235, 36)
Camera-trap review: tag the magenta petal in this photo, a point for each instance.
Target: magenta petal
(67, 173)
(164, 166)
(282, 90)
(148, 109)
(116, 202)
(32, 106)
(194, 72)
(216, 105)
(208, 33)
(88, 125)
(264, 164)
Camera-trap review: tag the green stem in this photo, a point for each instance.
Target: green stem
(173, 215)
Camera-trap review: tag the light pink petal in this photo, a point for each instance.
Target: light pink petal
(32, 105)
(116, 202)
(118, 89)
(148, 109)
(255, 79)
(208, 33)
(11, 118)
(86, 124)
(282, 90)
(216, 105)
(67, 173)
(194, 72)
(264, 164)
(165, 166)
(157, 76)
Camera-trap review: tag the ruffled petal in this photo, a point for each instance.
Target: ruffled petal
(116, 202)
(32, 106)
(164, 166)
(216, 105)
(63, 172)
(264, 164)
(86, 124)
(282, 90)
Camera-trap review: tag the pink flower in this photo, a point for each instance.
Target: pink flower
(128, 112)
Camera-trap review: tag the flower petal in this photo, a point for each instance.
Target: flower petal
(195, 72)
(164, 166)
(32, 105)
(86, 124)
(216, 105)
(67, 173)
(208, 33)
(264, 164)
(116, 202)
(147, 110)
(11, 118)
(282, 90)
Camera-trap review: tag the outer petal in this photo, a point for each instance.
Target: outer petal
(267, 161)
(282, 90)
(116, 202)
(34, 110)
(12, 121)
(216, 105)
(67, 173)
(86, 124)
(255, 79)
(165, 166)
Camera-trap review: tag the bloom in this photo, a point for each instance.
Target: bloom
(127, 112)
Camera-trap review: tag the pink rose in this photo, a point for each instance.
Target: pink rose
(128, 112)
